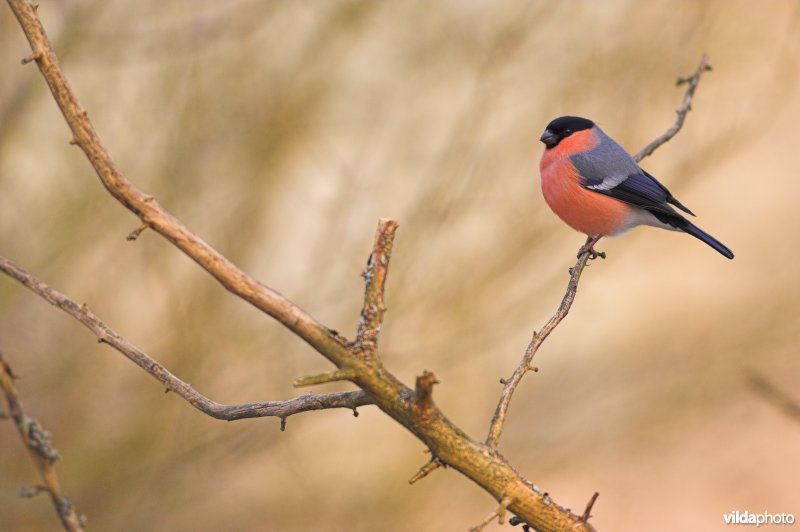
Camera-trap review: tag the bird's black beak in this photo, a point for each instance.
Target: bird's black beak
(549, 138)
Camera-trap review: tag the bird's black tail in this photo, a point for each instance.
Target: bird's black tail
(698, 233)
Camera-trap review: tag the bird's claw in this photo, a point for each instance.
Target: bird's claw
(593, 254)
(588, 247)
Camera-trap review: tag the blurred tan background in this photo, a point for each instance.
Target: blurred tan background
(280, 132)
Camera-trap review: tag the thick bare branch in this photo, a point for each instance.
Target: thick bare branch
(105, 334)
(37, 440)
(510, 385)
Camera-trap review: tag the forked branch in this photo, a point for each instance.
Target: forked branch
(413, 409)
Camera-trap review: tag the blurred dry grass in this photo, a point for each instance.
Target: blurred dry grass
(280, 131)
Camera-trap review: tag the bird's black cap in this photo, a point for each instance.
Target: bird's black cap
(563, 127)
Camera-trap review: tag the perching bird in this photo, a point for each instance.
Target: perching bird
(597, 188)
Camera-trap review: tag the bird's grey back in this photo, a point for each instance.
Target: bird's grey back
(606, 165)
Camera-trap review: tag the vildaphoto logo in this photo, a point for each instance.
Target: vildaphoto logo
(764, 518)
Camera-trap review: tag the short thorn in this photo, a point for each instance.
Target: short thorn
(433, 464)
(588, 512)
(35, 56)
(283, 424)
(133, 235)
(501, 512)
(424, 389)
(31, 492)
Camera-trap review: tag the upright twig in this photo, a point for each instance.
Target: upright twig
(510, 384)
(37, 440)
(371, 320)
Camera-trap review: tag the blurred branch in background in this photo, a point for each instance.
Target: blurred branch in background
(777, 398)
(37, 440)
(510, 384)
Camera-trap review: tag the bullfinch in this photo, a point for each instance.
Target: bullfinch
(597, 188)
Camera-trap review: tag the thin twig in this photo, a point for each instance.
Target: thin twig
(685, 107)
(37, 440)
(510, 384)
(322, 378)
(105, 334)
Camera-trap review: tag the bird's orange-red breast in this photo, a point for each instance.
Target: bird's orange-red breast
(583, 210)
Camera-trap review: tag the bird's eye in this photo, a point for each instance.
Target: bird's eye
(567, 132)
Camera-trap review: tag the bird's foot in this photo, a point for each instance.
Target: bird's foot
(593, 254)
(588, 247)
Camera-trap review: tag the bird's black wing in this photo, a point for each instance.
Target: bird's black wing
(608, 169)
